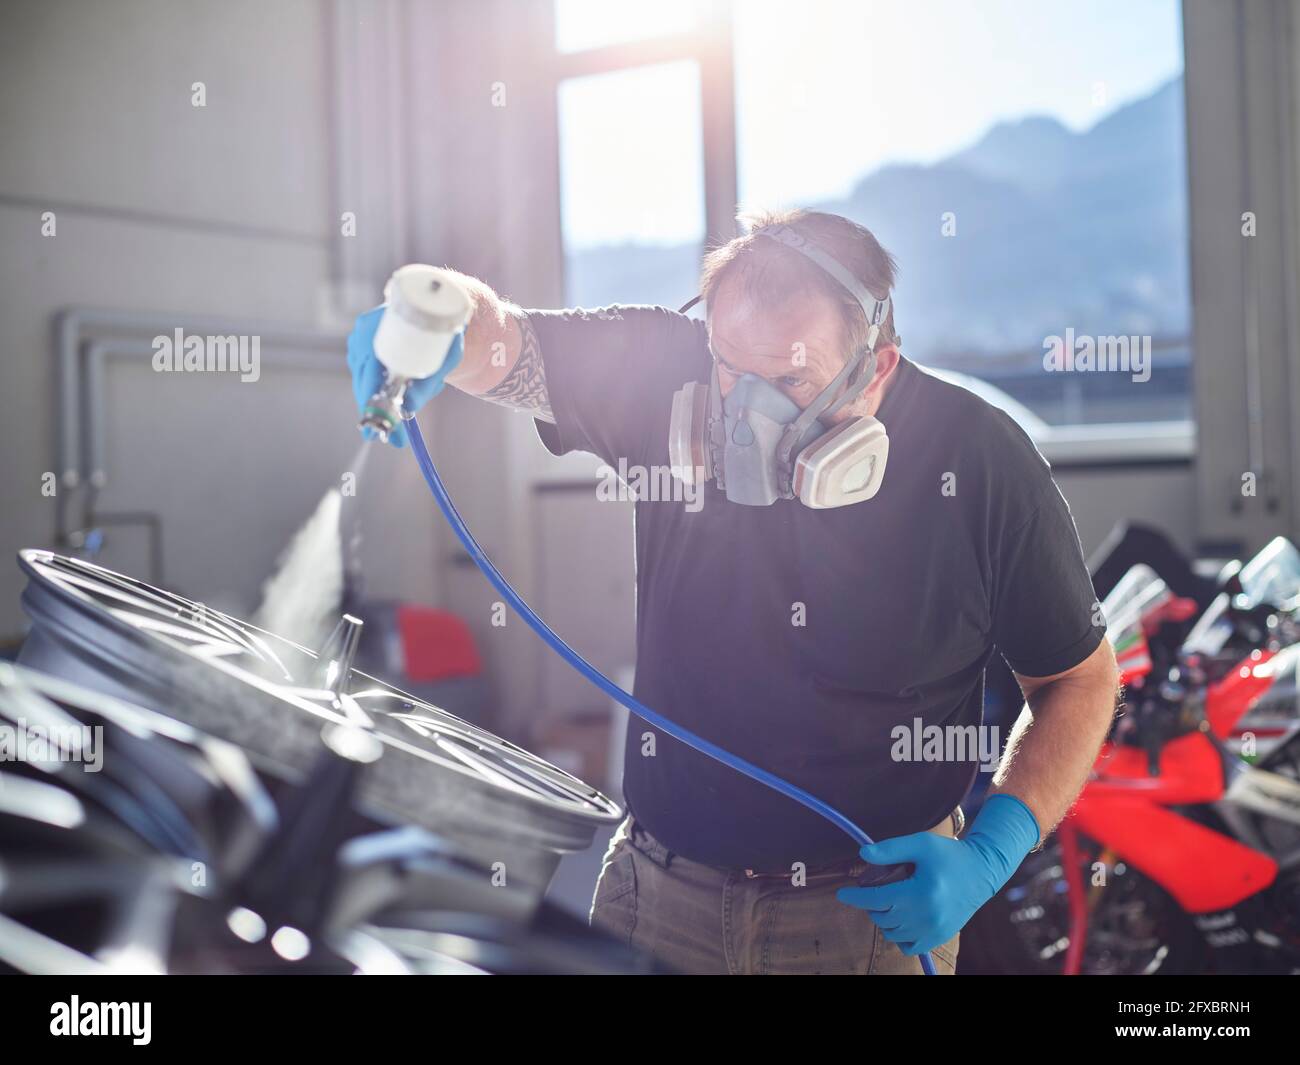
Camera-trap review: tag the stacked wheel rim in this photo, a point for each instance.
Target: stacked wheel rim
(257, 690)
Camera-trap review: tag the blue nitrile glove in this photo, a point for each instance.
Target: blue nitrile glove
(368, 372)
(953, 877)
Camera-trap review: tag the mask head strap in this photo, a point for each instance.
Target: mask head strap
(826, 403)
(875, 310)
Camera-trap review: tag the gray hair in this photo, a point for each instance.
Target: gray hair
(771, 273)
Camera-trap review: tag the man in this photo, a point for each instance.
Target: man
(813, 642)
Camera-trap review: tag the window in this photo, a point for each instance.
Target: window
(586, 24)
(1023, 160)
(631, 185)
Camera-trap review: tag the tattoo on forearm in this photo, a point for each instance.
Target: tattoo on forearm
(524, 387)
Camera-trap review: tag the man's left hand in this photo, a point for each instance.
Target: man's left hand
(953, 877)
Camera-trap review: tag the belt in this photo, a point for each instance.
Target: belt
(855, 866)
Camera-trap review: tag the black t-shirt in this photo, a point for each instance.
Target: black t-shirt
(799, 638)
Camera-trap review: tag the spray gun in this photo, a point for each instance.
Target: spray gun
(424, 309)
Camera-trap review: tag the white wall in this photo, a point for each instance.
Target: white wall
(162, 206)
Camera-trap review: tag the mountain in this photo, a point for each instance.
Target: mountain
(1003, 152)
(1054, 229)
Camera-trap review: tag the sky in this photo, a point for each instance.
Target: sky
(830, 90)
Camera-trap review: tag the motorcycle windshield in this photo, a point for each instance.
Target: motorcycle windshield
(1273, 576)
(1138, 592)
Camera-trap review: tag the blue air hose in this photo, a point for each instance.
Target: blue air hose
(601, 681)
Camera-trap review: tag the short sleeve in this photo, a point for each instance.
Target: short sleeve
(1045, 619)
(611, 374)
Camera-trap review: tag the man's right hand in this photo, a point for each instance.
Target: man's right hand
(368, 372)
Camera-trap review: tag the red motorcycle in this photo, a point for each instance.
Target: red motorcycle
(1182, 853)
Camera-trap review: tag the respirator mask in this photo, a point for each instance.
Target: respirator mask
(759, 446)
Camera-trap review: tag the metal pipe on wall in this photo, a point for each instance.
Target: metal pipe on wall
(80, 373)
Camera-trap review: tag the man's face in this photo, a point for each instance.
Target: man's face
(798, 347)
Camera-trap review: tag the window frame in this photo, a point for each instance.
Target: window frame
(710, 45)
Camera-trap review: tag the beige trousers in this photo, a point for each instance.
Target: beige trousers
(698, 919)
